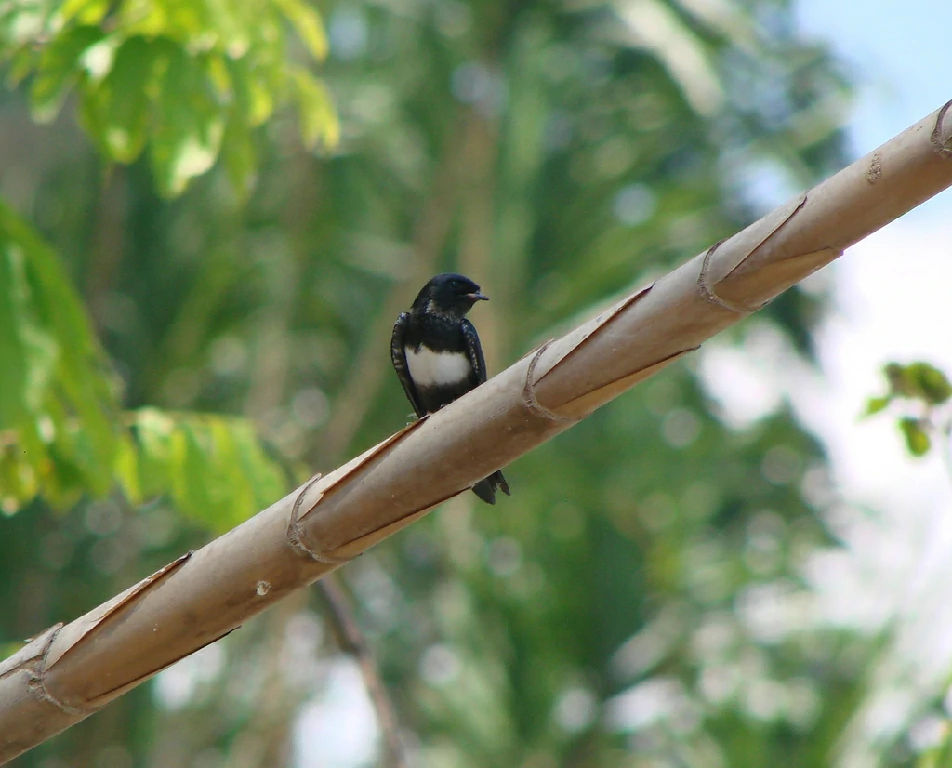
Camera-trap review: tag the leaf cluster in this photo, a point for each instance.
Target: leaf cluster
(920, 393)
(189, 80)
(63, 434)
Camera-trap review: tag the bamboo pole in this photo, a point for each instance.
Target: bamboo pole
(68, 672)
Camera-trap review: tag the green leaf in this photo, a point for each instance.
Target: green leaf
(126, 471)
(219, 77)
(929, 383)
(13, 362)
(898, 380)
(239, 155)
(918, 441)
(233, 495)
(116, 109)
(196, 484)
(83, 11)
(18, 481)
(186, 22)
(264, 476)
(211, 467)
(188, 123)
(33, 450)
(252, 92)
(318, 118)
(61, 333)
(59, 68)
(37, 343)
(876, 404)
(22, 63)
(51, 366)
(153, 432)
(307, 24)
(918, 381)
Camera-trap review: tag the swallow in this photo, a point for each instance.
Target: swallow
(436, 353)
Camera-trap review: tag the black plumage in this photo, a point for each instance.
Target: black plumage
(436, 353)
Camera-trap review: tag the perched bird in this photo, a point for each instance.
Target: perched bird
(437, 355)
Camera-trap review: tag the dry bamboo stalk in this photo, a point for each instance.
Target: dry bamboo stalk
(70, 671)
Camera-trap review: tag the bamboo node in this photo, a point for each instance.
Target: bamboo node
(529, 395)
(37, 684)
(294, 531)
(711, 296)
(942, 147)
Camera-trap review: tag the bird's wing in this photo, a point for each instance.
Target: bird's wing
(474, 350)
(398, 356)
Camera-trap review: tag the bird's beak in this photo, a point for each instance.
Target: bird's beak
(478, 296)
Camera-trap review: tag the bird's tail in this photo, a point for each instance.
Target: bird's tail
(486, 489)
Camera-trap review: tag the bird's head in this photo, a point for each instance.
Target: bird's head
(448, 294)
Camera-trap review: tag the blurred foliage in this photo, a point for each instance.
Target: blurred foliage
(53, 369)
(213, 469)
(919, 393)
(191, 79)
(640, 600)
(939, 756)
(62, 434)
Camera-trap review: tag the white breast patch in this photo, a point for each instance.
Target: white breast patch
(430, 369)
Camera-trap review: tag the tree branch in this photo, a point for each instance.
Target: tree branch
(69, 672)
(351, 640)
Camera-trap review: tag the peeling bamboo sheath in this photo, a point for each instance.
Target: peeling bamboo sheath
(69, 672)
